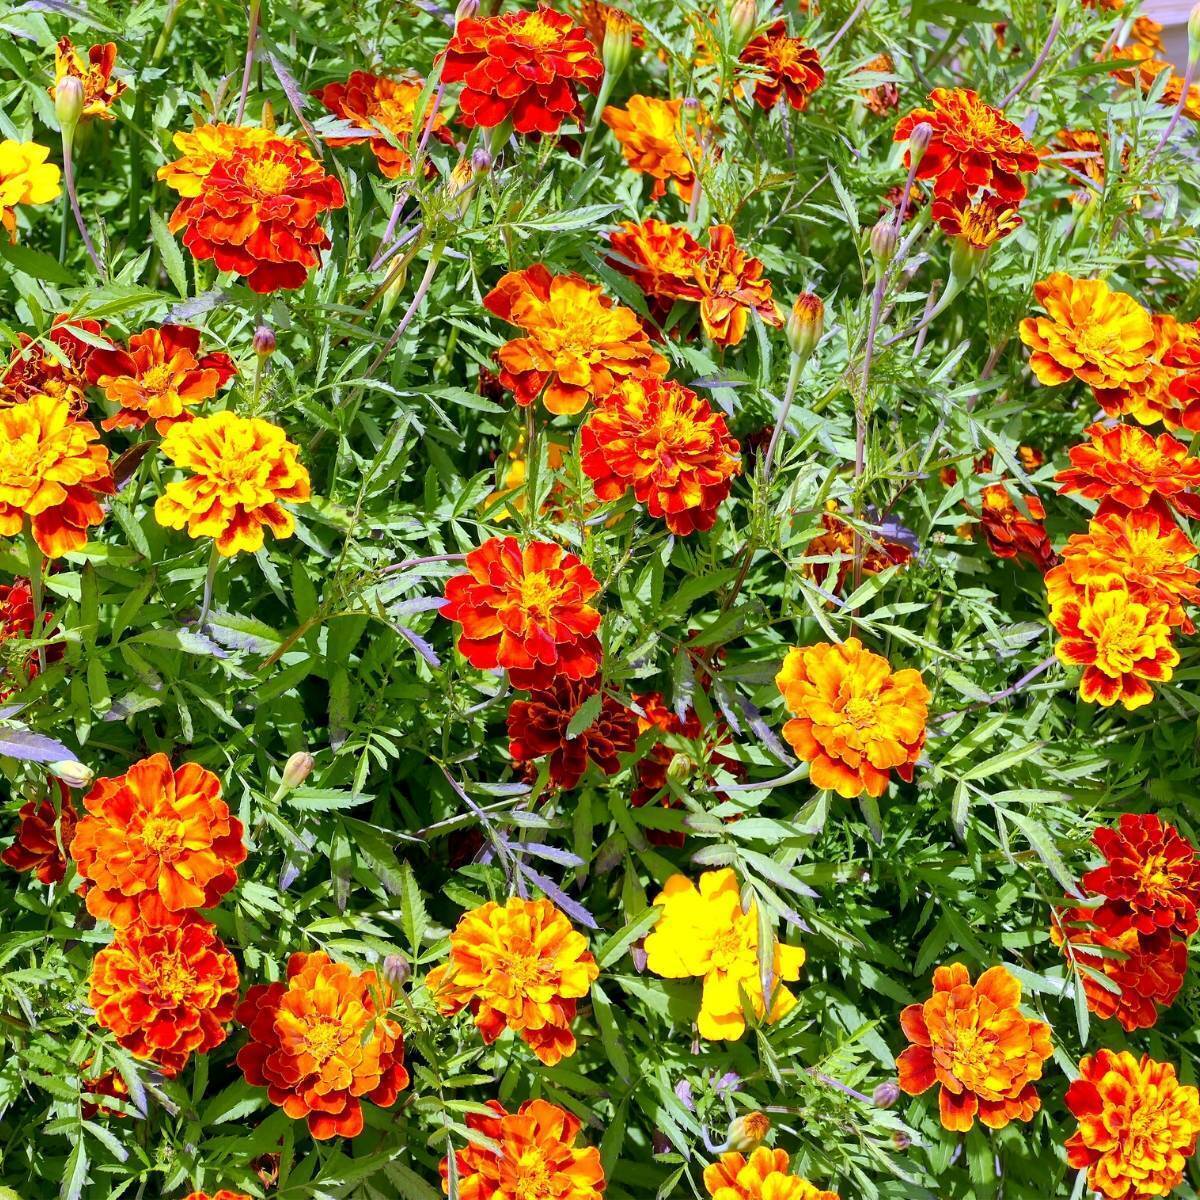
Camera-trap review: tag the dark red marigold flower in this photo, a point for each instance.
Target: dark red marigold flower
(523, 67)
(787, 67)
(1009, 532)
(41, 837)
(62, 373)
(17, 624)
(110, 1085)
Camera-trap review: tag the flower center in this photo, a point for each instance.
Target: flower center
(163, 836)
(158, 378)
(323, 1037)
(1117, 647)
(1156, 876)
(540, 594)
(727, 947)
(170, 977)
(859, 711)
(532, 1180)
(268, 176)
(538, 33)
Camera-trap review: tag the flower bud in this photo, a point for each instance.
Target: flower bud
(481, 161)
(805, 324)
(68, 103)
(1193, 28)
(885, 1095)
(680, 768)
(748, 1131)
(264, 341)
(618, 44)
(883, 241)
(743, 20)
(901, 1140)
(72, 773)
(396, 970)
(465, 11)
(918, 143)
(297, 769)
(268, 116)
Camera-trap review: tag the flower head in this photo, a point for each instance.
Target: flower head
(1138, 67)
(854, 718)
(43, 830)
(762, 1176)
(599, 19)
(732, 286)
(34, 368)
(25, 178)
(784, 66)
(980, 223)
(666, 443)
(100, 89)
(659, 139)
(882, 98)
(1165, 394)
(243, 470)
(202, 148)
(973, 1040)
(223, 1194)
(1012, 533)
(18, 624)
(660, 258)
(321, 1043)
(834, 548)
(705, 933)
(165, 993)
(526, 609)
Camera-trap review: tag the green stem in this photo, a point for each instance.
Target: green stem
(37, 587)
(209, 579)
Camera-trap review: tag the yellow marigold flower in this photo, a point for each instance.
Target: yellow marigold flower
(242, 468)
(100, 89)
(203, 149)
(704, 933)
(762, 1176)
(25, 178)
(659, 140)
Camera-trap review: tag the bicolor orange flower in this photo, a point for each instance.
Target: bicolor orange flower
(731, 287)
(202, 148)
(1180, 363)
(705, 933)
(1010, 532)
(523, 67)
(243, 471)
(1084, 152)
(1138, 1125)
(659, 139)
(321, 1043)
(521, 966)
(883, 97)
(973, 146)
(537, 728)
(666, 443)
(534, 1157)
(159, 377)
(762, 1176)
(835, 545)
(43, 831)
(855, 720)
(52, 471)
(978, 223)
(580, 345)
(157, 843)
(1140, 68)
(525, 609)
(25, 178)
(784, 66)
(100, 89)
(165, 993)
(1142, 973)
(223, 1194)
(599, 18)
(973, 1040)
(1161, 395)
(110, 1085)
(661, 259)
(34, 369)
(377, 104)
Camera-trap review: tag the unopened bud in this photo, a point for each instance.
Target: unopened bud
(691, 104)
(680, 768)
(268, 116)
(618, 44)
(72, 773)
(396, 970)
(901, 1140)
(68, 103)
(297, 769)
(918, 142)
(1194, 32)
(748, 1131)
(883, 241)
(805, 324)
(264, 341)
(466, 10)
(481, 161)
(885, 1095)
(743, 20)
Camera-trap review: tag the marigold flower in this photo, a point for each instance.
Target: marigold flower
(704, 933)
(535, 1157)
(1084, 152)
(223, 1194)
(110, 1085)
(25, 178)
(17, 624)
(522, 67)
(732, 286)
(1009, 532)
(165, 993)
(1137, 1125)
(598, 18)
(525, 610)
(979, 223)
(537, 728)
(883, 97)
(156, 844)
(659, 139)
(34, 370)
(665, 442)
(784, 66)
(836, 545)
(580, 345)
(43, 829)
(521, 966)
(1142, 72)
(854, 718)
(376, 103)
(320, 1043)
(660, 258)
(762, 1176)
(973, 146)
(159, 377)
(975, 1042)
(1161, 395)
(204, 147)
(243, 470)
(100, 89)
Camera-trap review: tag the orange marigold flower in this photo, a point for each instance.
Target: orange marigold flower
(975, 1042)
(836, 545)
(598, 18)
(580, 345)
(243, 471)
(973, 146)
(732, 286)
(658, 139)
(204, 147)
(52, 469)
(110, 1085)
(25, 178)
(1083, 152)
(256, 209)
(526, 610)
(1141, 972)
(156, 844)
(1147, 32)
(1010, 532)
(320, 1043)
(660, 258)
(165, 993)
(665, 442)
(854, 718)
(522, 67)
(883, 97)
(521, 966)
(1143, 72)
(1137, 1125)
(1162, 394)
(376, 103)
(762, 1176)
(33, 369)
(159, 377)
(223, 1194)
(535, 1157)
(537, 728)
(979, 223)
(1150, 879)
(43, 830)
(100, 89)
(784, 66)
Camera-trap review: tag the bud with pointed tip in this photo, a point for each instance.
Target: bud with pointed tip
(396, 970)
(268, 116)
(617, 48)
(297, 769)
(918, 143)
(481, 161)
(73, 773)
(466, 10)
(680, 768)
(901, 1140)
(885, 1095)
(805, 324)
(264, 341)
(68, 103)
(883, 241)
(748, 1131)
(743, 20)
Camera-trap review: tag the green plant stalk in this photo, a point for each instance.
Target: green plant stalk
(37, 586)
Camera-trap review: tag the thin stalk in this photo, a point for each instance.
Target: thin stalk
(210, 578)
(1040, 61)
(777, 433)
(251, 42)
(431, 267)
(68, 140)
(37, 587)
(860, 8)
(1185, 87)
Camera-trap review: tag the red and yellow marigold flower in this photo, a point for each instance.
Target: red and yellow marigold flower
(882, 98)
(835, 545)
(159, 377)
(1138, 1125)
(100, 89)
(33, 369)
(666, 443)
(375, 103)
(764, 1175)
(321, 1043)
(525, 609)
(784, 66)
(973, 1040)
(973, 146)
(1083, 152)
(109, 1085)
(1137, 66)
(18, 624)
(580, 345)
(534, 1157)
(223, 1194)
(165, 993)
(705, 933)
(660, 139)
(243, 471)
(52, 471)
(978, 223)
(521, 966)
(202, 148)
(537, 728)
(25, 178)
(731, 287)
(855, 720)
(660, 258)
(156, 844)
(1012, 533)
(43, 831)
(522, 67)
(1163, 395)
